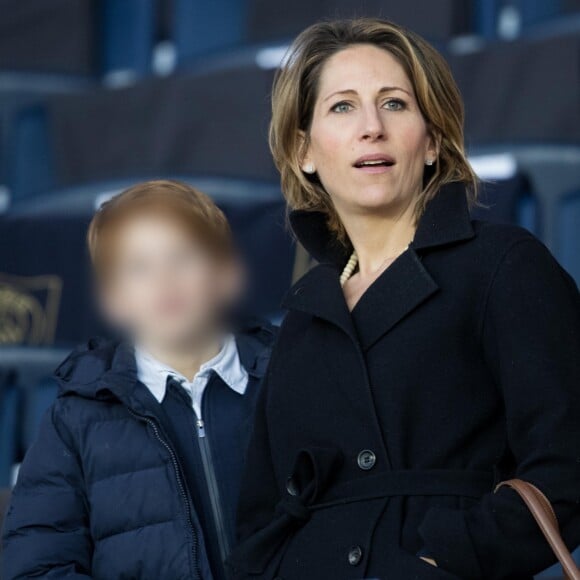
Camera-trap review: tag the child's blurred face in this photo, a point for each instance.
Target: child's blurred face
(165, 287)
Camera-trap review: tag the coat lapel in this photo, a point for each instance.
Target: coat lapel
(446, 219)
(397, 292)
(319, 293)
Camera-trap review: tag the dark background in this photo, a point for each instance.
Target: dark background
(98, 94)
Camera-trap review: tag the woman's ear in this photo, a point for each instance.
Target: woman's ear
(306, 163)
(433, 148)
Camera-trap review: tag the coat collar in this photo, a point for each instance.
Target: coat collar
(226, 364)
(445, 220)
(106, 369)
(406, 283)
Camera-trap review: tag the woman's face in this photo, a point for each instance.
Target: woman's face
(368, 141)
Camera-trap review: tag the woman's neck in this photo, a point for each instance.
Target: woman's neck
(380, 238)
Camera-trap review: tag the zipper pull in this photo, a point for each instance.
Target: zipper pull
(200, 428)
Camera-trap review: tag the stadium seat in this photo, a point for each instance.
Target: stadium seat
(506, 194)
(528, 213)
(534, 13)
(199, 27)
(508, 201)
(127, 37)
(51, 37)
(22, 402)
(82, 38)
(509, 19)
(552, 171)
(485, 18)
(23, 94)
(568, 228)
(30, 147)
(30, 365)
(504, 88)
(82, 199)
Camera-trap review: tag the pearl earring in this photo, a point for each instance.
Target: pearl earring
(309, 168)
(429, 161)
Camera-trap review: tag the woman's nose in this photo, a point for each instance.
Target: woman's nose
(372, 126)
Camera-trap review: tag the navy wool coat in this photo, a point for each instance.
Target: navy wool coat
(382, 433)
(102, 493)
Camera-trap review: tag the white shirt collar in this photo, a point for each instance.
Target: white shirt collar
(153, 373)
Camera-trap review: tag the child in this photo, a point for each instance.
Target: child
(135, 473)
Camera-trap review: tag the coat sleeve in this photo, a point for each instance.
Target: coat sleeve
(46, 532)
(258, 499)
(531, 340)
(259, 492)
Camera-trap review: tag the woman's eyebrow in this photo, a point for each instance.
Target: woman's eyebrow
(394, 88)
(386, 89)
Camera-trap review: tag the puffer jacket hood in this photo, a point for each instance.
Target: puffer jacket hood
(85, 371)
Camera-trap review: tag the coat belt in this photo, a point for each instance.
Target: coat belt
(312, 489)
(409, 482)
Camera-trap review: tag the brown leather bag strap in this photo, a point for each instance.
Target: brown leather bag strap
(543, 513)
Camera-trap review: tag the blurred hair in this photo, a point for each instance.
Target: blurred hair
(188, 207)
(295, 92)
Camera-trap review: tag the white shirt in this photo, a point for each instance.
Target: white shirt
(153, 374)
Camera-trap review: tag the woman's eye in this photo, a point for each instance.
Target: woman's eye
(394, 105)
(341, 108)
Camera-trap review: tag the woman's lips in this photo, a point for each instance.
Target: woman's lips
(376, 163)
(374, 168)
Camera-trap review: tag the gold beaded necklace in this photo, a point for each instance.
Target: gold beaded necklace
(349, 268)
(351, 265)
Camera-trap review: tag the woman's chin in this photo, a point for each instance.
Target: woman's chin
(375, 202)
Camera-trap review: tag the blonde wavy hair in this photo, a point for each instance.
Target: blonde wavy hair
(295, 92)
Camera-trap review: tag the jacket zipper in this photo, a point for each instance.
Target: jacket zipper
(180, 485)
(213, 489)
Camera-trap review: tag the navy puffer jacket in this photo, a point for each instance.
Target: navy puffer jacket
(100, 493)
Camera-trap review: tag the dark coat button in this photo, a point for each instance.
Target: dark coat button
(366, 459)
(291, 486)
(355, 555)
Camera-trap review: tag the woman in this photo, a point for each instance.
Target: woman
(425, 359)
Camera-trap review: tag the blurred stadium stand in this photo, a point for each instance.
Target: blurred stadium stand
(48, 37)
(98, 94)
(521, 92)
(215, 122)
(438, 21)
